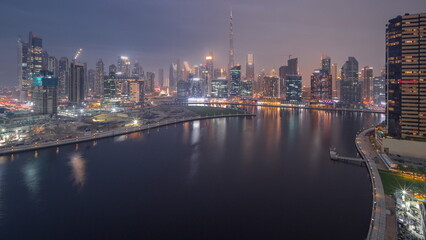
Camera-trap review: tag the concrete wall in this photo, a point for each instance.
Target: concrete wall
(405, 148)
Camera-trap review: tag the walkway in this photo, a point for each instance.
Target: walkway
(378, 215)
(112, 133)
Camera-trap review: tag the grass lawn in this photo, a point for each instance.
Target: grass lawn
(391, 182)
(210, 111)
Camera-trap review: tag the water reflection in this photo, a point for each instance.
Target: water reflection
(193, 160)
(121, 138)
(31, 172)
(3, 160)
(78, 167)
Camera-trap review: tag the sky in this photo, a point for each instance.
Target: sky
(156, 32)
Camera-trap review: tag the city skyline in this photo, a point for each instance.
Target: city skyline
(163, 40)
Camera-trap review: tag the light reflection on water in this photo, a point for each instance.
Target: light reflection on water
(194, 158)
(3, 160)
(31, 172)
(78, 169)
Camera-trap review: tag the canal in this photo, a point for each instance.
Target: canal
(263, 177)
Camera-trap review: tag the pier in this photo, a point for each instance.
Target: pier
(336, 157)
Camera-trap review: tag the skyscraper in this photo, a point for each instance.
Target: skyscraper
(77, 83)
(161, 78)
(172, 76)
(270, 87)
(406, 76)
(138, 70)
(30, 63)
(367, 84)
(45, 93)
(334, 79)
(91, 76)
(379, 93)
(321, 87)
(24, 78)
(219, 88)
(326, 64)
(250, 67)
(149, 82)
(292, 66)
(110, 84)
(64, 75)
(350, 87)
(137, 91)
(289, 75)
(123, 66)
(53, 66)
(293, 88)
(235, 90)
(210, 72)
(99, 77)
(231, 62)
(35, 62)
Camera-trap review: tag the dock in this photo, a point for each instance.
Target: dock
(336, 157)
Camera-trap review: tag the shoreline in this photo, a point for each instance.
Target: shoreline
(112, 133)
(297, 107)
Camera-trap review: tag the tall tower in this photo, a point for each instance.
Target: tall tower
(231, 44)
(405, 57)
(250, 67)
(99, 77)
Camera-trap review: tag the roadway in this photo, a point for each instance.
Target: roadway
(377, 228)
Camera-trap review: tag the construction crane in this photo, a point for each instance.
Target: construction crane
(77, 54)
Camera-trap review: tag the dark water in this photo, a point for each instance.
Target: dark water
(267, 177)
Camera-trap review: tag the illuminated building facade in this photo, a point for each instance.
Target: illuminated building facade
(293, 88)
(137, 91)
(196, 87)
(350, 88)
(270, 87)
(235, 86)
(210, 71)
(24, 78)
(30, 63)
(219, 88)
(335, 81)
(379, 93)
(247, 88)
(123, 65)
(45, 89)
(99, 77)
(110, 86)
(406, 76)
(63, 76)
(182, 90)
(321, 86)
(367, 84)
(250, 67)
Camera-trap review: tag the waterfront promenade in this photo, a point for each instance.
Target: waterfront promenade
(111, 133)
(378, 228)
(288, 106)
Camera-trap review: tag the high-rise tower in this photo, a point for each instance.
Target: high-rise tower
(406, 74)
(231, 45)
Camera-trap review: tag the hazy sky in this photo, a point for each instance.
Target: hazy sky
(158, 31)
